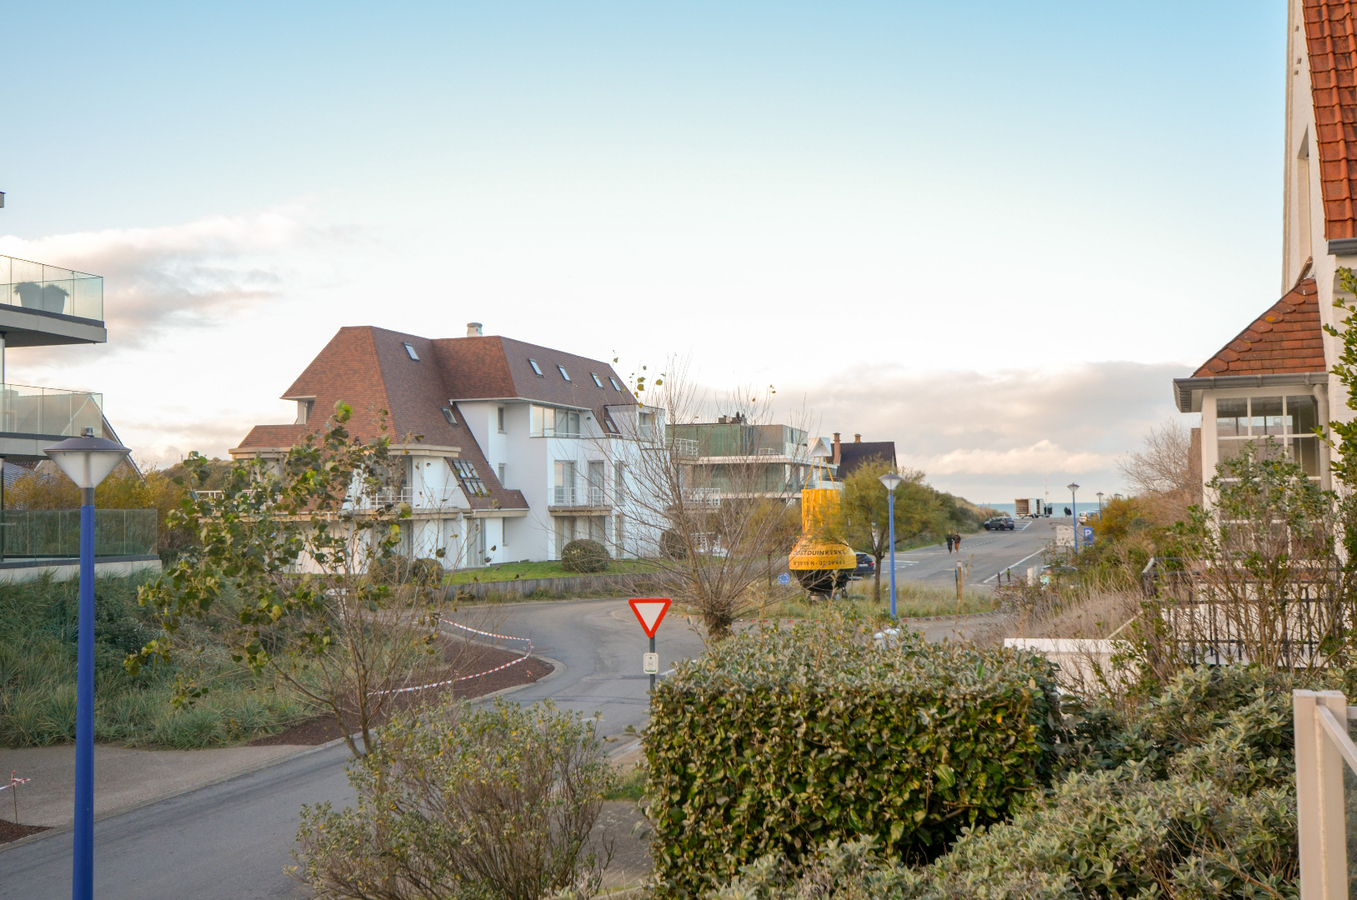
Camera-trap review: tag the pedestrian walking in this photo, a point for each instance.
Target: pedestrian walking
(949, 543)
(956, 538)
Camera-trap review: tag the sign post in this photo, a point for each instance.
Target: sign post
(650, 613)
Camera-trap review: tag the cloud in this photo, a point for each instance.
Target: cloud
(998, 435)
(191, 275)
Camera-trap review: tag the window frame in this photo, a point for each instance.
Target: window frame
(535, 367)
(410, 350)
(613, 382)
(1287, 440)
(597, 382)
(468, 477)
(564, 374)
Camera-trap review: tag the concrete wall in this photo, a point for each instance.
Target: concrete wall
(67, 569)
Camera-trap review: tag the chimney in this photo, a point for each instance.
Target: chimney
(857, 439)
(836, 448)
(473, 329)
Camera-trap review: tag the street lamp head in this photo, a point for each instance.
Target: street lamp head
(1098, 494)
(891, 481)
(1073, 487)
(87, 460)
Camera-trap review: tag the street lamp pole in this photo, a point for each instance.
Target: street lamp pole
(87, 460)
(1100, 503)
(891, 482)
(1074, 515)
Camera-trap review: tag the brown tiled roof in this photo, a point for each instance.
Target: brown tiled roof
(1332, 47)
(497, 368)
(370, 370)
(1286, 338)
(854, 453)
(272, 437)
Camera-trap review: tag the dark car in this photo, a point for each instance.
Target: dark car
(999, 523)
(866, 567)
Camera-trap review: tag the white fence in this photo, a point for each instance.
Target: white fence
(1323, 749)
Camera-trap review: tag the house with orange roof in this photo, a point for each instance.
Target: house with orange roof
(1272, 380)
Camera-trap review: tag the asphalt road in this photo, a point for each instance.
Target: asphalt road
(984, 556)
(232, 840)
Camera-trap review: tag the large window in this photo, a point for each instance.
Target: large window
(470, 478)
(548, 421)
(1289, 421)
(563, 491)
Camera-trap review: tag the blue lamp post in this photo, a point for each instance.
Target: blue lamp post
(891, 481)
(86, 460)
(1074, 515)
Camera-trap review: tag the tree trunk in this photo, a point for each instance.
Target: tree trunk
(877, 574)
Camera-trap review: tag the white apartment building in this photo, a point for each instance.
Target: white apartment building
(513, 449)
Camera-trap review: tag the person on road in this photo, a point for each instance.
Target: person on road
(956, 539)
(949, 543)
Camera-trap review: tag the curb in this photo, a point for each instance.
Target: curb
(557, 668)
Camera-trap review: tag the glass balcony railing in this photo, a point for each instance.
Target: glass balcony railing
(55, 533)
(51, 289)
(49, 411)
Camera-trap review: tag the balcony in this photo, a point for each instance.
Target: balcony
(34, 418)
(55, 533)
(573, 498)
(51, 289)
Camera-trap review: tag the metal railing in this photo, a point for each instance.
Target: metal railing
(55, 533)
(51, 289)
(1214, 616)
(1325, 753)
(25, 409)
(685, 448)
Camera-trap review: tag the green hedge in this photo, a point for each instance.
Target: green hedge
(584, 556)
(780, 741)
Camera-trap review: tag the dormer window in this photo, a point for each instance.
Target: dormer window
(564, 373)
(594, 376)
(409, 348)
(535, 367)
(613, 382)
(447, 414)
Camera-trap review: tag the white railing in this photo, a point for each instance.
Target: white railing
(685, 448)
(563, 496)
(1323, 748)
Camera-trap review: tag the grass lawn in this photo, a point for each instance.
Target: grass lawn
(912, 600)
(554, 569)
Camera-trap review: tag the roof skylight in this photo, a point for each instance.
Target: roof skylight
(447, 414)
(535, 367)
(564, 373)
(594, 375)
(613, 382)
(411, 350)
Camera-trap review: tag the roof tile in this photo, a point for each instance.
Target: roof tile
(1331, 41)
(1285, 338)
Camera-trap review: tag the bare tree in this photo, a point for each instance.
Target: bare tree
(1161, 472)
(708, 497)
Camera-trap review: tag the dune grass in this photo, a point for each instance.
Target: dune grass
(37, 676)
(913, 600)
(551, 569)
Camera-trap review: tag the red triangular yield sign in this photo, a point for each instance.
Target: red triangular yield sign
(650, 613)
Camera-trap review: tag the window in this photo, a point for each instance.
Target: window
(503, 473)
(619, 483)
(613, 382)
(470, 478)
(535, 367)
(447, 414)
(1286, 423)
(597, 470)
(594, 376)
(564, 373)
(304, 408)
(411, 351)
(500, 418)
(551, 422)
(563, 491)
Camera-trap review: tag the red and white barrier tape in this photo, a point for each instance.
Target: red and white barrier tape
(436, 684)
(14, 782)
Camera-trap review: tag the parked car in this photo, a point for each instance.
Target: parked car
(866, 567)
(999, 523)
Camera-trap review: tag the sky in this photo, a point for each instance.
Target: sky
(992, 232)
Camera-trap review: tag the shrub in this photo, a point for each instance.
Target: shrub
(1202, 807)
(584, 556)
(782, 740)
(399, 570)
(462, 803)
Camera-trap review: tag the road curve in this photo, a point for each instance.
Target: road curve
(231, 841)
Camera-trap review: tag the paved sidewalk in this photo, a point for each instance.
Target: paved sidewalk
(123, 777)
